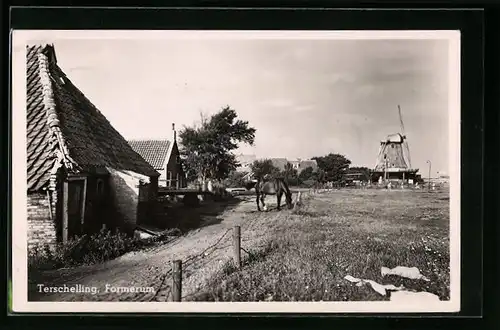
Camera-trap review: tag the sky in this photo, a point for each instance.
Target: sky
(305, 98)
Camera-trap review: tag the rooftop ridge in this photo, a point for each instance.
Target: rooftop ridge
(147, 140)
(56, 136)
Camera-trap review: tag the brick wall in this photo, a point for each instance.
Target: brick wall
(124, 193)
(41, 229)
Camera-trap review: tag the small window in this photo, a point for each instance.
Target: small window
(178, 159)
(100, 187)
(169, 175)
(392, 145)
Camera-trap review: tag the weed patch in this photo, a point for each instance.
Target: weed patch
(87, 250)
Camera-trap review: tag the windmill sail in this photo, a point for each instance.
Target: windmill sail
(405, 140)
(408, 153)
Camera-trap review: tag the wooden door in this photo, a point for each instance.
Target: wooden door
(99, 214)
(74, 208)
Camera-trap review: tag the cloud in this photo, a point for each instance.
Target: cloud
(300, 54)
(370, 89)
(302, 108)
(76, 68)
(282, 106)
(344, 77)
(278, 103)
(397, 75)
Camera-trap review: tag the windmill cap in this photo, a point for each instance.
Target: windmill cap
(395, 138)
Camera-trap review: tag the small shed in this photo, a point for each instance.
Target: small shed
(164, 157)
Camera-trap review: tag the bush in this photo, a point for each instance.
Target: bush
(293, 181)
(100, 247)
(309, 183)
(235, 179)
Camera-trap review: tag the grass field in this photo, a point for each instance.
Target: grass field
(307, 254)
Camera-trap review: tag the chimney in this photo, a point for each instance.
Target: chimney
(173, 130)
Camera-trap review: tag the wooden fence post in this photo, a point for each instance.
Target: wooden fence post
(177, 280)
(237, 245)
(297, 201)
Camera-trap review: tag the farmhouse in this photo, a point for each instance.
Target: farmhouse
(245, 161)
(81, 173)
(164, 156)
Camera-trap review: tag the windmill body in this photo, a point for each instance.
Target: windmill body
(393, 160)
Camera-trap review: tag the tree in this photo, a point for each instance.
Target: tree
(206, 149)
(306, 174)
(333, 166)
(290, 174)
(319, 176)
(261, 168)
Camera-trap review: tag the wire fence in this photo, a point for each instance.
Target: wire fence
(173, 291)
(176, 277)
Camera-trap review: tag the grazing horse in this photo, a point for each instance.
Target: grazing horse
(276, 187)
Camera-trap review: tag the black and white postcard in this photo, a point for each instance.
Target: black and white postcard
(185, 171)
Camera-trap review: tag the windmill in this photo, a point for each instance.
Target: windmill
(394, 160)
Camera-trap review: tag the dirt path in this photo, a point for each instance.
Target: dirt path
(149, 268)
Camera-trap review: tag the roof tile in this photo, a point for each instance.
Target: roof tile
(155, 152)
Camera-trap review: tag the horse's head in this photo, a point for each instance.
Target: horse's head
(288, 193)
(288, 199)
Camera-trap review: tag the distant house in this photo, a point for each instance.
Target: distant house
(279, 163)
(245, 162)
(164, 156)
(81, 173)
(301, 165)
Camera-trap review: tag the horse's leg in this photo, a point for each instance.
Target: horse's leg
(257, 200)
(262, 196)
(278, 195)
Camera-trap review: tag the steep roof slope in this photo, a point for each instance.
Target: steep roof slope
(65, 129)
